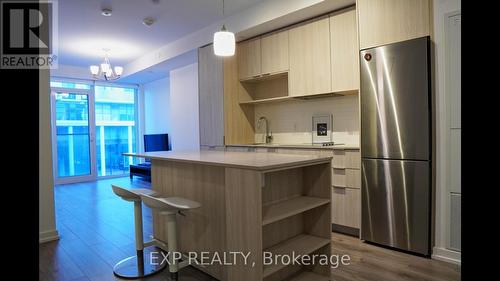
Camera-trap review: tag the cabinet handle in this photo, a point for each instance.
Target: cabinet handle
(266, 74)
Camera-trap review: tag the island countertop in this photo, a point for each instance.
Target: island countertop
(245, 160)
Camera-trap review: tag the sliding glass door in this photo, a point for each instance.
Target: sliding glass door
(92, 126)
(73, 138)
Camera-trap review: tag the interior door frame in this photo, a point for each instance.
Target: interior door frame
(92, 146)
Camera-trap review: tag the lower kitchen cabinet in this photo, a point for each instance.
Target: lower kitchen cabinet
(346, 209)
(212, 147)
(239, 148)
(346, 178)
(346, 183)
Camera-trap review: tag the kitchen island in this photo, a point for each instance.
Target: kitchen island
(253, 203)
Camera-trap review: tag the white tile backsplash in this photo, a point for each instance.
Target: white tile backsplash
(291, 121)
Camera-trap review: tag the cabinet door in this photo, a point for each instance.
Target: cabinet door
(274, 54)
(352, 159)
(310, 58)
(210, 97)
(388, 21)
(344, 51)
(346, 206)
(249, 60)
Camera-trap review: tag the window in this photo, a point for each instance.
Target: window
(94, 126)
(69, 85)
(115, 129)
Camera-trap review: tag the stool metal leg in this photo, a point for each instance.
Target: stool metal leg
(172, 243)
(135, 266)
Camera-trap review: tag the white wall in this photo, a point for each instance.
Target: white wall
(71, 71)
(157, 107)
(291, 121)
(441, 251)
(46, 216)
(184, 113)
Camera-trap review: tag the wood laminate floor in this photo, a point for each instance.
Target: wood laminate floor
(97, 230)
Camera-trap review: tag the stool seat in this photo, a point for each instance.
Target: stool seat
(169, 203)
(132, 194)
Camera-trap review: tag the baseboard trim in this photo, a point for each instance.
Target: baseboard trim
(345, 230)
(47, 236)
(447, 255)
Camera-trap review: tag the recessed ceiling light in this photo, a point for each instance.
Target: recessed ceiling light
(148, 21)
(106, 12)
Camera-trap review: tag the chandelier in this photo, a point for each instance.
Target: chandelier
(106, 71)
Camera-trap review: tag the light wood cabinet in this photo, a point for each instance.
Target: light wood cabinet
(274, 52)
(310, 58)
(346, 207)
(249, 59)
(238, 120)
(346, 184)
(344, 51)
(346, 178)
(352, 159)
(389, 21)
(338, 178)
(338, 159)
(353, 178)
(210, 73)
(239, 148)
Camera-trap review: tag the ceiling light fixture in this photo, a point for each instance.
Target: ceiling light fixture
(105, 71)
(106, 12)
(148, 21)
(224, 41)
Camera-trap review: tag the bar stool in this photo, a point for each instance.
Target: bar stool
(170, 207)
(134, 266)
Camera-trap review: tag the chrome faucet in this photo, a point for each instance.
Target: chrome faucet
(269, 136)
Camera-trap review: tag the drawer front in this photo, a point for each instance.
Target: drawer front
(339, 158)
(352, 159)
(346, 206)
(353, 178)
(339, 177)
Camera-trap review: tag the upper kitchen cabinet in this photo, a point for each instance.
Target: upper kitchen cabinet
(274, 52)
(344, 51)
(249, 60)
(238, 119)
(211, 86)
(388, 21)
(310, 71)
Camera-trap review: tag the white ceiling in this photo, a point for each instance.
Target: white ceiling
(83, 31)
(162, 69)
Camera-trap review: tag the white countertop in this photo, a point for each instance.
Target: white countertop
(305, 146)
(245, 160)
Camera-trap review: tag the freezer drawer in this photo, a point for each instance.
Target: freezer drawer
(395, 204)
(395, 106)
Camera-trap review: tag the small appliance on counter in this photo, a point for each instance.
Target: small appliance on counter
(322, 128)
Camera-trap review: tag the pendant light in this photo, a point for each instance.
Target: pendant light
(224, 42)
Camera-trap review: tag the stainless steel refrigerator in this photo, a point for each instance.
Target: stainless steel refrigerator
(396, 145)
